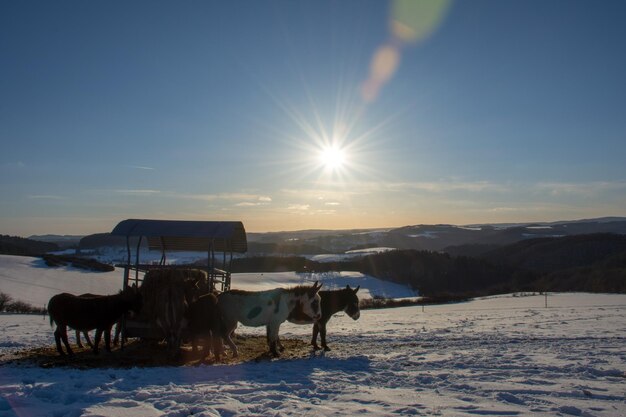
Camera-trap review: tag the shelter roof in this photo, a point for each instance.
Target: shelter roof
(186, 235)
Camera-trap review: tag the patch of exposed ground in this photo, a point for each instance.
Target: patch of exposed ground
(139, 353)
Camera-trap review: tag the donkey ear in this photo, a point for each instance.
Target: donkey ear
(315, 288)
(356, 289)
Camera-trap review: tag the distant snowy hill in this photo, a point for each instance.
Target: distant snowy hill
(63, 241)
(421, 237)
(13, 245)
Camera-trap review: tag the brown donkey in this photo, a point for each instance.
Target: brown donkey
(85, 314)
(332, 302)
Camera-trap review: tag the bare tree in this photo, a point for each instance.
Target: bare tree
(5, 299)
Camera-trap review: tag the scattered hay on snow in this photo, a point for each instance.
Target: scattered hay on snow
(138, 353)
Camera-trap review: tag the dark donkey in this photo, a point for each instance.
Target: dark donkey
(332, 302)
(89, 313)
(204, 321)
(118, 328)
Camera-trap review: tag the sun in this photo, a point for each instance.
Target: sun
(332, 157)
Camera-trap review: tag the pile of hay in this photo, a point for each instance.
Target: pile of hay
(188, 283)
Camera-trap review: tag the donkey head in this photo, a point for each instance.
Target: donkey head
(133, 297)
(310, 302)
(352, 302)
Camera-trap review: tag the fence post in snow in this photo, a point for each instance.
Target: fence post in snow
(546, 297)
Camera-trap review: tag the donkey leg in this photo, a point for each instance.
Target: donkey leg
(66, 342)
(272, 338)
(176, 339)
(270, 342)
(316, 329)
(217, 345)
(208, 342)
(231, 344)
(216, 338)
(281, 348)
(323, 336)
(279, 345)
(78, 342)
(57, 339)
(96, 342)
(107, 339)
(118, 330)
(87, 338)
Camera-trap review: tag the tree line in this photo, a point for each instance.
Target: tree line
(9, 305)
(589, 263)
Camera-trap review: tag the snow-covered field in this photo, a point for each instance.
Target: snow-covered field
(498, 356)
(30, 280)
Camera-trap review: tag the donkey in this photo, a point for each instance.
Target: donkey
(332, 302)
(167, 295)
(204, 321)
(86, 332)
(170, 316)
(266, 308)
(85, 314)
(118, 328)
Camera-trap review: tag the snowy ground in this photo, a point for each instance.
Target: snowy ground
(495, 356)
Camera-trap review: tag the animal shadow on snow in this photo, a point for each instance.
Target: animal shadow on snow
(280, 372)
(77, 387)
(299, 371)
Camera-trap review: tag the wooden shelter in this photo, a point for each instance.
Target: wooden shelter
(212, 237)
(225, 237)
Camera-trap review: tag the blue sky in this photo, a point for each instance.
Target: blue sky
(502, 111)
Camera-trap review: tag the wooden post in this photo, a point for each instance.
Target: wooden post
(137, 261)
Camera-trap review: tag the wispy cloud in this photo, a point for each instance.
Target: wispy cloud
(45, 197)
(142, 167)
(449, 185)
(325, 212)
(316, 193)
(580, 188)
(138, 192)
(243, 197)
(260, 201)
(506, 209)
(298, 207)
(330, 189)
